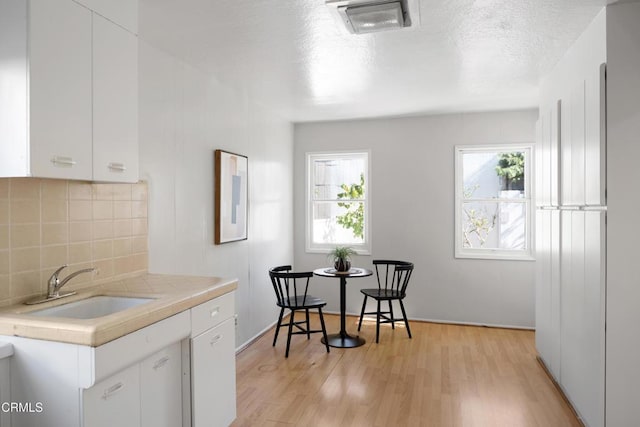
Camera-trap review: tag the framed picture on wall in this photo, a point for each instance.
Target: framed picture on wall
(231, 173)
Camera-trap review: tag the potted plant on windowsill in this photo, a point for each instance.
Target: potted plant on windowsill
(341, 256)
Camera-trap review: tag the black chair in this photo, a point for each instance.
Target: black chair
(393, 278)
(291, 293)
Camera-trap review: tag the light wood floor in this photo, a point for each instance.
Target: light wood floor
(447, 375)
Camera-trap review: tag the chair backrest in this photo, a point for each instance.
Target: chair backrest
(393, 275)
(290, 287)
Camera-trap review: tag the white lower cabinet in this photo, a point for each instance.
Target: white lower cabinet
(213, 383)
(147, 394)
(179, 371)
(114, 401)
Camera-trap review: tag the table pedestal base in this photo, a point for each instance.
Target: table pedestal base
(344, 341)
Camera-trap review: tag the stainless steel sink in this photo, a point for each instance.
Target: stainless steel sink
(92, 307)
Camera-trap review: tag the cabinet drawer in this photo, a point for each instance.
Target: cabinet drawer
(115, 355)
(212, 313)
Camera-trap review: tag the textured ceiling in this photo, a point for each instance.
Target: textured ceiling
(294, 56)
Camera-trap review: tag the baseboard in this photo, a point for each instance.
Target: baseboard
(444, 322)
(452, 322)
(257, 336)
(253, 339)
(560, 389)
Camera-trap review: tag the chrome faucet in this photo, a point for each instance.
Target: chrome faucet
(54, 284)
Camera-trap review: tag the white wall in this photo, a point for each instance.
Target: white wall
(623, 234)
(184, 116)
(412, 214)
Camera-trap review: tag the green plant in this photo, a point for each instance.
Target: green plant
(341, 253)
(511, 168)
(354, 217)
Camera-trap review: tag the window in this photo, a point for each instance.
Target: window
(493, 202)
(338, 201)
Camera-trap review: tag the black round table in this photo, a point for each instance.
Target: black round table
(343, 339)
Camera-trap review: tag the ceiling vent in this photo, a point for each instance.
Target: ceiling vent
(366, 16)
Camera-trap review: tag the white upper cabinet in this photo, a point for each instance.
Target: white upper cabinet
(548, 140)
(47, 131)
(60, 89)
(68, 89)
(583, 142)
(122, 12)
(595, 138)
(115, 102)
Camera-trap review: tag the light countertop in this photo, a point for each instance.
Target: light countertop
(172, 295)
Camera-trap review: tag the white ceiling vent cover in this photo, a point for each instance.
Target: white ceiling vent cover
(366, 16)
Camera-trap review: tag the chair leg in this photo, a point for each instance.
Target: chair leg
(306, 312)
(286, 354)
(364, 304)
(393, 322)
(406, 321)
(275, 338)
(378, 323)
(324, 330)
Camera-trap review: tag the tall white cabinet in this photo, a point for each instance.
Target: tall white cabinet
(587, 290)
(571, 225)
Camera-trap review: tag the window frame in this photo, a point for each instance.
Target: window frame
(528, 200)
(311, 247)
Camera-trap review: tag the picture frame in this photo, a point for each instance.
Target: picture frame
(231, 196)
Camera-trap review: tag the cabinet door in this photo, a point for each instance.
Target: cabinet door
(555, 144)
(544, 169)
(594, 321)
(582, 322)
(548, 289)
(161, 388)
(14, 153)
(213, 376)
(114, 401)
(60, 89)
(584, 142)
(595, 140)
(577, 123)
(115, 102)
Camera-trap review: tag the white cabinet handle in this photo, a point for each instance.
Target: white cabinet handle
(112, 390)
(214, 312)
(117, 167)
(63, 162)
(161, 362)
(215, 339)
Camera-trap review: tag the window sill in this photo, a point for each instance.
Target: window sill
(495, 256)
